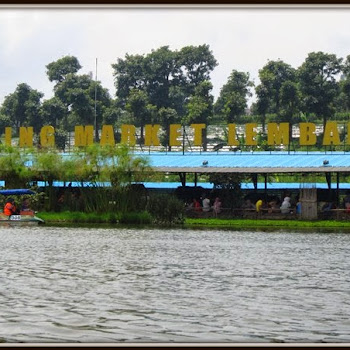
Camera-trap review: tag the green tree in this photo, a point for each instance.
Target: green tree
(167, 116)
(22, 107)
(318, 83)
(232, 101)
(58, 70)
(85, 100)
(54, 112)
(168, 77)
(343, 101)
(138, 105)
(272, 77)
(200, 108)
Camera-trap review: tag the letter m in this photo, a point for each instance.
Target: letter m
(84, 136)
(277, 134)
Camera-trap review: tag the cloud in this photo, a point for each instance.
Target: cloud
(240, 38)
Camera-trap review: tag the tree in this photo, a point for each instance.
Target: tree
(85, 100)
(232, 101)
(22, 107)
(344, 97)
(54, 112)
(137, 104)
(272, 77)
(200, 107)
(58, 70)
(167, 77)
(167, 116)
(318, 83)
(195, 63)
(290, 101)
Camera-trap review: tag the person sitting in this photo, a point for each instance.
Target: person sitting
(217, 206)
(248, 204)
(25, 209)
(285, 207)
(273, 207)
(206, 204)
(259, 203)
(10, 208)
(195, 205)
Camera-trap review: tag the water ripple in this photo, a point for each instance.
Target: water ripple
(125, 285)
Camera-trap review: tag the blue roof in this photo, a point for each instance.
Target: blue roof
(337, 161)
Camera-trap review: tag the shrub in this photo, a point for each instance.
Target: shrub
(135, 218)
(166, 209)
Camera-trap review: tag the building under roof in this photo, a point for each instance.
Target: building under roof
(252, 163)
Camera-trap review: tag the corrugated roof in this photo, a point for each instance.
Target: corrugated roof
(257, 162)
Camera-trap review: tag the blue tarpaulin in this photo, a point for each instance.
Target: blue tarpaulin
(16, 192)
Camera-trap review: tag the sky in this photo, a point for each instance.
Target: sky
(242, 38)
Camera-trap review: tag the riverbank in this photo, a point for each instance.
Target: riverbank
(143, 218)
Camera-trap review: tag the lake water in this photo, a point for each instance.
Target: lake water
(109, 285)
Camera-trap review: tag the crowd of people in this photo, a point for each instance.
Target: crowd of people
(261, 205)
(204, 204)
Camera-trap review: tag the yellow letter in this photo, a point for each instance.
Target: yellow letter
(47, 136)
(331, 134)
(151, 135)
(128, 134)
(84, 135)
(250, 134)
(307, 134)
(277, 134)
(8, 136)
(26, 136)
(107, 136)
(232, 137)
(174, 134)
(197, 140)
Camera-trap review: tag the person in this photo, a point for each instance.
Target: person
(25, 205)
(346, 201)
(217, 206)
(10, 208)
(196, 205)
(258, 205)
(285, 207)
(326, 209)
(273, 206)
(248, 204)
(25, 209)
(206, 204)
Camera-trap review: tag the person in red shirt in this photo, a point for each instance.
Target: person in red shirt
(10, 208)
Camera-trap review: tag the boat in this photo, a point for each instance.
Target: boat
(25, 217)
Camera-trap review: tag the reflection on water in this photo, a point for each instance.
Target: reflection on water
(138, 285)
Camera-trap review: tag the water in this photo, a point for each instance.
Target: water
(137, 285)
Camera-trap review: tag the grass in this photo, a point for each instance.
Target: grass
(265, 223)
(144, 218)
(95, 218)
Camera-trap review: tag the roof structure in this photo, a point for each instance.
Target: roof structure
(250, 162)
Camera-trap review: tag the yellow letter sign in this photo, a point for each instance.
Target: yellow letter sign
(26, 136)
(84, 136)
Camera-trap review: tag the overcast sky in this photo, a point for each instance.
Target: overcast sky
(241, 38)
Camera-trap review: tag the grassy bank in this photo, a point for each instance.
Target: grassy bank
(95, 218)
(265, 223)
(144, 218)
